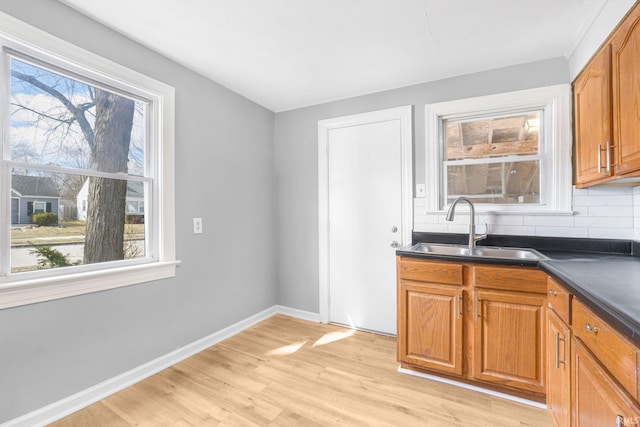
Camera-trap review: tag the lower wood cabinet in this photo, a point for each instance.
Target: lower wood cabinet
(593, 371)
(558, 370)
(431, 321)
(492, 337)
(509, 339)
(598, 399)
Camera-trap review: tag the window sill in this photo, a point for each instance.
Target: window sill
(30, 291)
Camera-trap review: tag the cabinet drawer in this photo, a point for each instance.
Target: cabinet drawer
(559, 300)
(429, 271)
(510, 278)
(614, 351)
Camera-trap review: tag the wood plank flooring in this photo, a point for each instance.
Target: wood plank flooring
(289, 372)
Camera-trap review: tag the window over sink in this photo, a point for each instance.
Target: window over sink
(508, 153)
(493, 159)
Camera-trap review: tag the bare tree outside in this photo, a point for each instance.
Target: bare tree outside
(76, 125)
(109, 153)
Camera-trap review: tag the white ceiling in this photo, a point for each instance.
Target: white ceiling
(285, 54)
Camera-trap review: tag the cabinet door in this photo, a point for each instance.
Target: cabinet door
(509, 330)
(625, 46)
(592, 109)
(558, 370)
(430, 326)
(598, 400)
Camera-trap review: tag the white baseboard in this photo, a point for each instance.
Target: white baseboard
(300, 314)
(472, 387)
(84, 398)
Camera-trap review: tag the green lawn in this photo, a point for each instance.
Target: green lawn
(67, 232)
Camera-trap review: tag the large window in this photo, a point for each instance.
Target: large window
(508, 152)
(89, 143)
(87, 146)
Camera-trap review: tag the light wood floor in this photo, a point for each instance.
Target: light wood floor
(286, 371)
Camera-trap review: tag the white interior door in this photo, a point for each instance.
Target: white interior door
(365, 221)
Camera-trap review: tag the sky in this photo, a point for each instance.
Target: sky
(43, 130)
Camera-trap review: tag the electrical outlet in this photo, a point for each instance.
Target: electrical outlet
(197, 225)
(421, 190)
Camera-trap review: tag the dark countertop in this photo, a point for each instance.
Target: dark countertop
(601, 273)
(608, 284)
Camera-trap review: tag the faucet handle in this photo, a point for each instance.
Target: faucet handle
(486, 229)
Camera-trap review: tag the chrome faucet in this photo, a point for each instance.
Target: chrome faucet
(473, 238)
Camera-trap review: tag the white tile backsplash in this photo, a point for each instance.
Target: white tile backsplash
(549, 221)
(605, 222)
(562, 231)
(636, 212)
(617, 211)
(512, 230)
(602, 212)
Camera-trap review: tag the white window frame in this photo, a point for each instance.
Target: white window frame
(555, 148)
(44, 204)
(27, 288)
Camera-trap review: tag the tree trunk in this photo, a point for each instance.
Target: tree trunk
(107, 197)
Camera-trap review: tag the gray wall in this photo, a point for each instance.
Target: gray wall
(227, 149)
(224, 173)
(296, 160)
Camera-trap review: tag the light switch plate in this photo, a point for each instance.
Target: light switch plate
(197, 225)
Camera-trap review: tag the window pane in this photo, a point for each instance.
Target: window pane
(491, 137)
(58, 120)
(503, 183)
(83, 218)
(39, 207)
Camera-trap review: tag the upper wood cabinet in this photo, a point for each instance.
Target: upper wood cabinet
(625, 52)
(607, 108)
(592, 110)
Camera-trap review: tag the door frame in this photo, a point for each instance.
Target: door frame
(405, 115)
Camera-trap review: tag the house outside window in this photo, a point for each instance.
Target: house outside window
(509, 153)
(77, 122)
(493, 159)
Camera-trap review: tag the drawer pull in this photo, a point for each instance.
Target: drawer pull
(620, 421)
(477, 308)
(459, 305)
(552, 292)
(590, 328)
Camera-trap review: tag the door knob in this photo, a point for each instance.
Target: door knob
(394, 244)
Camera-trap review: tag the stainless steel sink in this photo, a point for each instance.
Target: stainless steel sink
(480, 251)
(438, 249)
(511, 253)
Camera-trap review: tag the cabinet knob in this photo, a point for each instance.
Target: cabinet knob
(394, 244)
(552, 292)
(590, 328)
